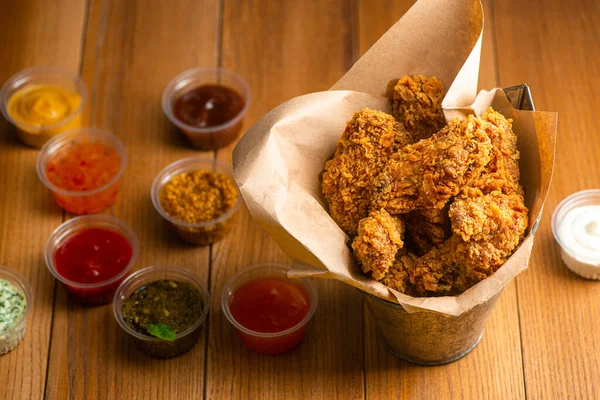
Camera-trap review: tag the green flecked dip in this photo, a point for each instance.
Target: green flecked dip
(12, 309)
(12, 305)
(163, 305)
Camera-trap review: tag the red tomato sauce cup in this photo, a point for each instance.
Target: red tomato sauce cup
(91, 255)
(83, 169)
(243, 283)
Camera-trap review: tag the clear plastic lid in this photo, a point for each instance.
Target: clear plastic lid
(82, 135)
(189, 165)
(40, 75)
(152, 274)
(78, 224)
(22, 285)
(262, 271)
(590, 197)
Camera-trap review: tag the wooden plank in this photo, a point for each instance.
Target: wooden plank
(554, 49)
(32, 32)
(494, 369)
(132, 51)
(298, 47)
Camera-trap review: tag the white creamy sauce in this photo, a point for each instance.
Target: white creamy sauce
(579, 232)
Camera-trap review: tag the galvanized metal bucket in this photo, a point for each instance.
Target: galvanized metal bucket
(430, 338)
(426, 337)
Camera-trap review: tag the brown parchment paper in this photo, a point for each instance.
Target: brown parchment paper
(278, 161)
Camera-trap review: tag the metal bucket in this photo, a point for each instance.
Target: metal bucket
(427, 337)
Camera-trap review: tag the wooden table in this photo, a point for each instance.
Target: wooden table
(542, 339)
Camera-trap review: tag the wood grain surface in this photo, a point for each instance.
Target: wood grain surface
(541, 341)
(560, 326)
(324, 367)
(31, 34)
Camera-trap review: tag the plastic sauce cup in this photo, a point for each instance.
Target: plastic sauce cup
(15, 333)
(202, 233)
(214, 137)
(585, 266)
(37, 135)
(151, 345)
(91, 293)
(90, 201)
(268, 343)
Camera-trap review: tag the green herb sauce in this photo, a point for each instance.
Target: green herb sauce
(12, 305)
(175, 304)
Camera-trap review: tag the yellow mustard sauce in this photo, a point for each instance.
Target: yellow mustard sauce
(35, 108)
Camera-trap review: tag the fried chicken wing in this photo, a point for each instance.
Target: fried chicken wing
(428, 173)
(362, 152)
(488, 220)
(368, 141)
(450, 192)
(487, 229)
(378, 241)
(502, 172)
(416, 103)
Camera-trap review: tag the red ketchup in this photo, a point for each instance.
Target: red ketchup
(93, 257)
(270, 306)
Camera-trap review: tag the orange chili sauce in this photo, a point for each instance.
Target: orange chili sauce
(83, 167)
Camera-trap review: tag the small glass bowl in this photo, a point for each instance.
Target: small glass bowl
(91, 293)
(202, 233)
(37, 135)
(151, 345)
(13, 336)
(583, 266)
(268, 343)
(82, 202)
(214, 137)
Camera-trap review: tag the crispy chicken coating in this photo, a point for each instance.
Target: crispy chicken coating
(427, 228)
(416, 103)
(428, 173)
(487, 229)
(368, 141)
(502, 172)
(488, 221)
(362, 152)
(378, 241)
(397, 275)
(453, 196)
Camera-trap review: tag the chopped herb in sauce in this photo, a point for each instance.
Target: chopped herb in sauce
(12, 305)
(176, 305)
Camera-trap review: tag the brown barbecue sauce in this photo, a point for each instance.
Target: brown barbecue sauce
(208, 106)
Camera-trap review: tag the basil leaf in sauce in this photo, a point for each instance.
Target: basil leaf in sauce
(162, 331)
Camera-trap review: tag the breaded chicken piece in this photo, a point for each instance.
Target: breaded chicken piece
(417, 104)
(428, 173)
(488, 220)
(362, 152)
(426, 228)
(378, 241)
(396, 276)
(369, 140)
(487, 230)
(502, 172)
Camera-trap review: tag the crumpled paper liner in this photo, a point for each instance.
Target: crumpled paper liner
(278, 161)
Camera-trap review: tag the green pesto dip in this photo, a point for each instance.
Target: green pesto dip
(176, 304)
